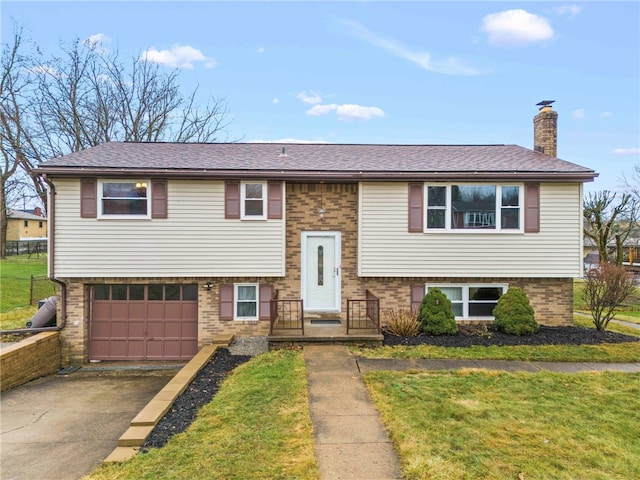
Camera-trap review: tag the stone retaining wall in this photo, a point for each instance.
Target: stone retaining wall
(29, 359)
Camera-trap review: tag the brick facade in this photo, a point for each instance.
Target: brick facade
(550, 298)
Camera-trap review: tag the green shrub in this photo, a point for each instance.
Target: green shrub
(513, 313)
(402, 322)
(435, 315)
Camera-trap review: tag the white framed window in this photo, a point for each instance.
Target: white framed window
(474, 207)
(472, 301)
(124, 199)
(253, 204)
(245, 301)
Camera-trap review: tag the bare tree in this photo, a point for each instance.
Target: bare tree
(87, 96)
(609, 221)
(16, 84)
(605, 289)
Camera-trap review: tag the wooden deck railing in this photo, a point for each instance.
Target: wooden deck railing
(286, 314)
(363, 313)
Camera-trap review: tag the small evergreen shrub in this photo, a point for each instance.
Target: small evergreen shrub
(513, 313)
(402, 322)
(435, 315)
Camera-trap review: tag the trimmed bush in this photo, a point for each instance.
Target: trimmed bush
(514, 314)
(435, 315)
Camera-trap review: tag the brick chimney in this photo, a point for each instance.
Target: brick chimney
(37, 211)
(545, 129)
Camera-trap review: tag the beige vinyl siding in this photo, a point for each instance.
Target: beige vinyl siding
(195, 239)
(386, 249)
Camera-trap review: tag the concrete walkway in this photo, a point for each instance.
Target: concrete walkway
(350, 441)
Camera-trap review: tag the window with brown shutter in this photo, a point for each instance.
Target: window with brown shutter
(416, 201)
(274, 200)
(88, 198)
(232, 199)
(531, 208)
(158, 199)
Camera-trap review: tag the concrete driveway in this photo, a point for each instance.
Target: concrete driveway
(62, 427)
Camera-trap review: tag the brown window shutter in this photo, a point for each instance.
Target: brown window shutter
(232, 199)
(226, 302)
(274, 200)
(264, 307)
(158, 199)
(417, 294)
(416, 207)
(88, 198)
(531, 207)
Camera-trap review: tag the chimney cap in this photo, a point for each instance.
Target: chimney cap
(545, 103)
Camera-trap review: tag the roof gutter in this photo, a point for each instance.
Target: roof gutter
(306, 175)
(63, 286)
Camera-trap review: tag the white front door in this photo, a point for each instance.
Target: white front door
(320, 276)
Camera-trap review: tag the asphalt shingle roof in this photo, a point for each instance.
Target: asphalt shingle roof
(307, 159)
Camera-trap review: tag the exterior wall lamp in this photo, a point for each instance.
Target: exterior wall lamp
(208, 285)
(321, 213)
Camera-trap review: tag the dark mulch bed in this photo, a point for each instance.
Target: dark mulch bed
(487, 336)
(198, 393)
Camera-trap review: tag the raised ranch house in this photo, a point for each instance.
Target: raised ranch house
(162, 246)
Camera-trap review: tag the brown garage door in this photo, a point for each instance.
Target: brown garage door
(143, 322)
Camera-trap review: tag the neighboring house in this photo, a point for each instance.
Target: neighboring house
(162, 246)
(22, 225)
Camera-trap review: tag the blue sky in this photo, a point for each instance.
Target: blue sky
(387, 72)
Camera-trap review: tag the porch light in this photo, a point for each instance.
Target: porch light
(321, 213)
(208, 285)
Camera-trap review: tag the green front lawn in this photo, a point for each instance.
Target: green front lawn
(478, 424)
(257, 427)
(15, 285)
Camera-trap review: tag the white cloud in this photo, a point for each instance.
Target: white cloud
(626, 151)
(568, 10)
(447, 66)
(515, 28)
(288, 140)
(347, 111)
(97, 39)
(579, 113)
(275, 101)
(180, 56)
(605, 114)
(46, 70)
(312, 98)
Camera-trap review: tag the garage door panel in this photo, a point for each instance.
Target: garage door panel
(100, 349)
(100, 329)
(155, 329)
(101, 310)
(189, 310)
(155, 310)
(189, 348)
(136, 328)
(172, 349)
(189, 329)
(173, 310)
(119, 310)
(137, 311)
(172, 329)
